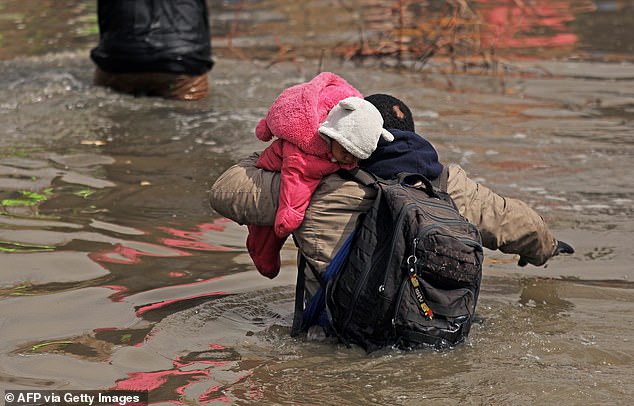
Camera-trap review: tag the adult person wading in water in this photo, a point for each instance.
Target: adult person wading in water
(154, 48)
(248, 195)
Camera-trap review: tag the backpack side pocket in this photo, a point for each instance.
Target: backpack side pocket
(452, 313)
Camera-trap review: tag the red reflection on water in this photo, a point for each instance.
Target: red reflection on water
(180, 376)
(518, 24)
(192, 245)
(193, 239)
(213, 394)
(120, 292)
(158, 305)
(121, 254)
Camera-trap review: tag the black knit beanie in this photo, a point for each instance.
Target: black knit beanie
(395, 113)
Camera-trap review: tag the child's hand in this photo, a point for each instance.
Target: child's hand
(286, 221)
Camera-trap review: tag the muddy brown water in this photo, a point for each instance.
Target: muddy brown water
(115, 273)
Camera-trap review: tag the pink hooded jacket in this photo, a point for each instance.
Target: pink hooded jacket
(301, 153)
(302, 156)
(298, 111)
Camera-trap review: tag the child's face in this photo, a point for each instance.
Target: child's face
(341, 154)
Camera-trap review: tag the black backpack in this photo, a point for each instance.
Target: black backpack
(412, 274)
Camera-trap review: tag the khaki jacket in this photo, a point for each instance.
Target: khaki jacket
(248, 195)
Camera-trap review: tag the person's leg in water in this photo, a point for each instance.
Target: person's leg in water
(166, 85)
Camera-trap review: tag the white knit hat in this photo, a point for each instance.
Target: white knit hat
(357, 125)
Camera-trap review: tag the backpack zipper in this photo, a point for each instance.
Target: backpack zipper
(468, 241)
(401, 216)
(399, 299)
(447, 205)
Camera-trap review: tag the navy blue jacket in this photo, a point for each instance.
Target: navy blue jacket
(409, 152)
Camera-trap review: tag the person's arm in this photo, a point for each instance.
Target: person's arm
(249, 195)
(506, 224)
(246, 194)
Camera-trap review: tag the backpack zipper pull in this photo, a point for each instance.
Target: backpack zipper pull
(418, 292)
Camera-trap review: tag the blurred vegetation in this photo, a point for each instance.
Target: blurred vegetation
(449, 29)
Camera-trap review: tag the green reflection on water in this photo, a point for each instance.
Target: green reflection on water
(27, 198)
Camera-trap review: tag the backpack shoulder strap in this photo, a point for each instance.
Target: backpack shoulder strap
(360, 175)
(369, 179)
(298, 314)
(441, 181)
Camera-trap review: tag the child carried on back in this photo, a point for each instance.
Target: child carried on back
(321, 126)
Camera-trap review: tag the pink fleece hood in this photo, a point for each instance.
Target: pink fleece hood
(298, 111)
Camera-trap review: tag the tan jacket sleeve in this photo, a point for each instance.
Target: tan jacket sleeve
(246, 194)
(507, 224)
(249, 195)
